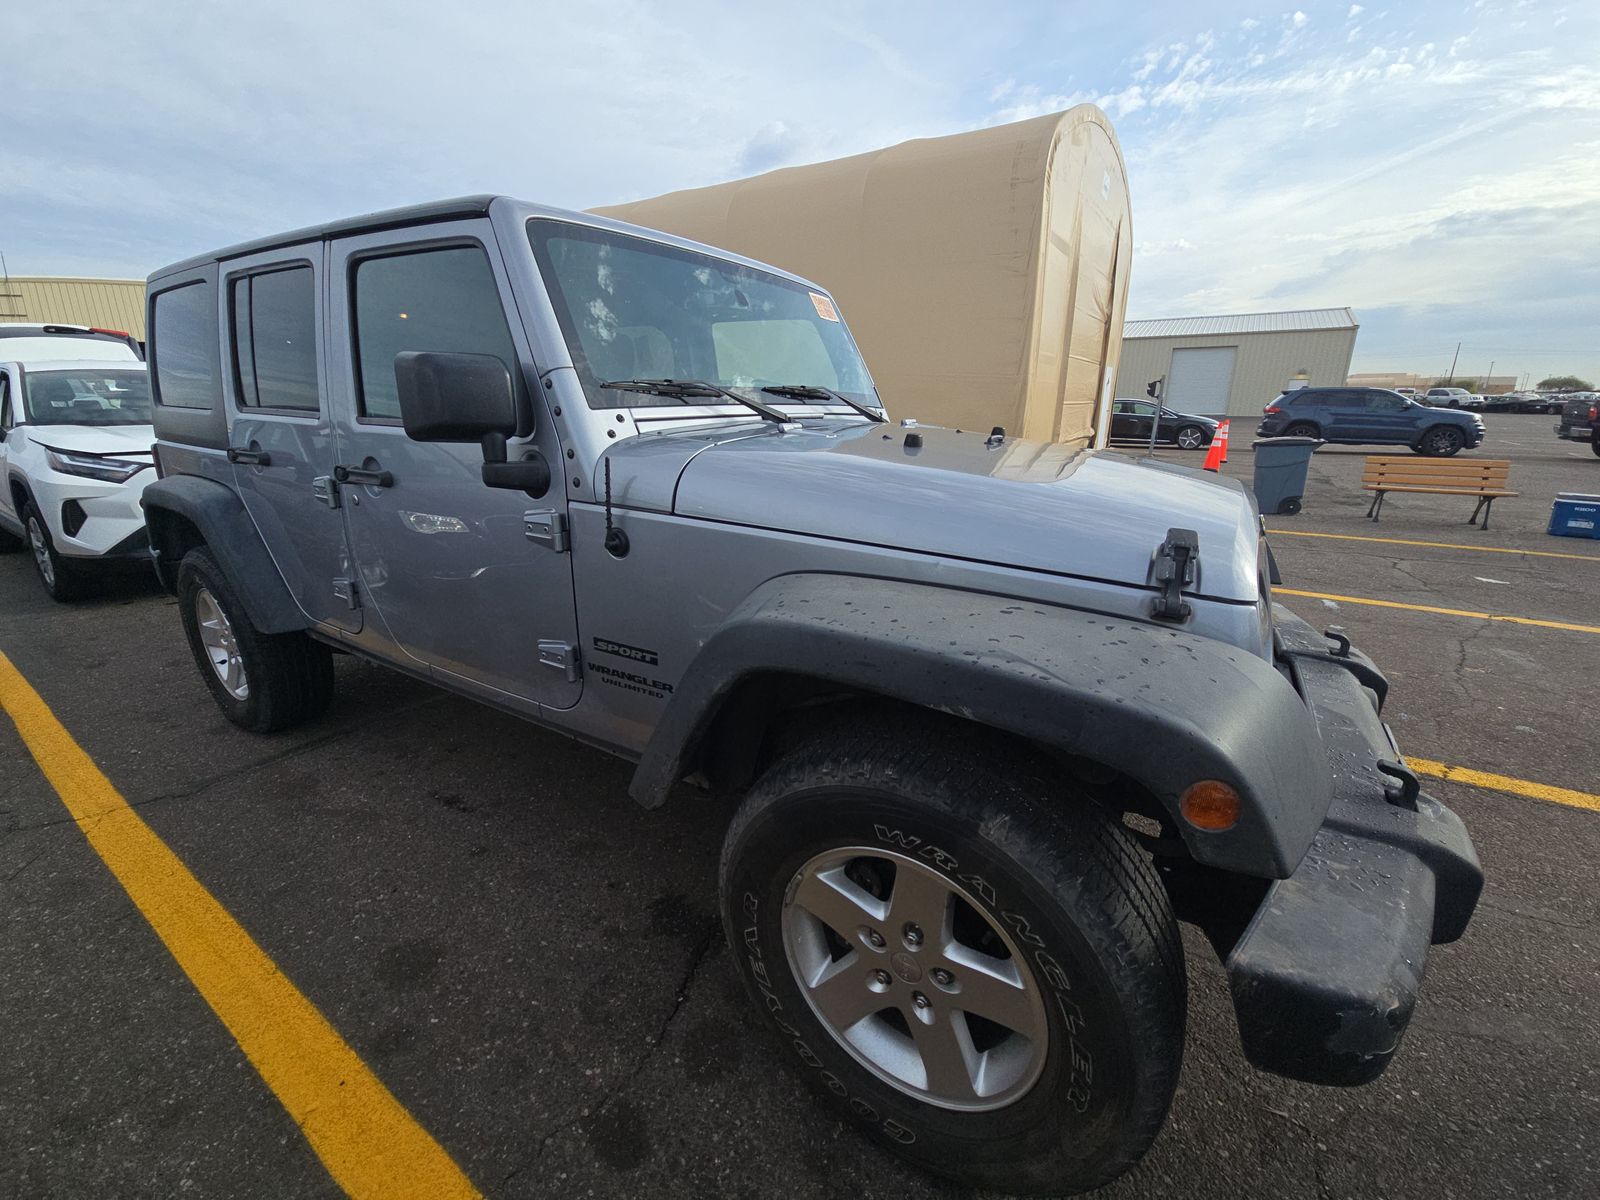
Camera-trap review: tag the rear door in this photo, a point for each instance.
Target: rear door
(281, 440)
(446, 565)
(1342, 415)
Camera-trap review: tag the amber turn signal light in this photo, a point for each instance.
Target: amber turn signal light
(1210, 805)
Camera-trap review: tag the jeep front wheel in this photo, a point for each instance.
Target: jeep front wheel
(263, 682)
(975, 966)
(1442, 441)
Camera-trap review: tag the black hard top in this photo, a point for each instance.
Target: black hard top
(392, 218)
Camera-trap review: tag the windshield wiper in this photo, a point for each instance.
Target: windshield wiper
(684, 389)
(810, 391)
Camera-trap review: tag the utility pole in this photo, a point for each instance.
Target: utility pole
(1489, 378)
(1456, 356)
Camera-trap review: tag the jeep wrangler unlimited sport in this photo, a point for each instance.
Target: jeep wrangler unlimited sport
(1000, 713)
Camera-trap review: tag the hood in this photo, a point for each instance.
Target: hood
(1093, 514)
(130, 440)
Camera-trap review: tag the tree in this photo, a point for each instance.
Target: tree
(1565, 383)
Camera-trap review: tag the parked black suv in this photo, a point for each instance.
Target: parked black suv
(1358, 416)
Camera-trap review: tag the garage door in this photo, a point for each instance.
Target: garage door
(1201, 379)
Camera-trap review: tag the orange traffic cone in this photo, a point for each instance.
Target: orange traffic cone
(1217, 451)
(1223, 433)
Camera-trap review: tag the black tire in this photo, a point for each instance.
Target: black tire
(1195, 434)
(62, 579)
(1302, 429)
(1594, 442)
(1441, 441)
(288, 676)
(1093, 923)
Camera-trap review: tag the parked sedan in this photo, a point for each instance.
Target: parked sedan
(1131, 421)
(1520, 402)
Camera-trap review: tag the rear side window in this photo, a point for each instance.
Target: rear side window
(183, 334)
(1343, 399)
(442, 300)
(275, 340)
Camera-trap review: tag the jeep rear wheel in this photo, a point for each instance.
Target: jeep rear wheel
(1441, 441)
(263, 682)
(980, 970)
(1302, 429)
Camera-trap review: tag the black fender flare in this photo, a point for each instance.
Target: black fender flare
(1164, 707)
(216, 511)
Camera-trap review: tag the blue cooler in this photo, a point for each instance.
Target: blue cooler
(1575, 515)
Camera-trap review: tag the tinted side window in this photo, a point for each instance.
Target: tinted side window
(442, 300)
(183, 336)
(5, 402)
(275, 339)
(1342, 399)
(1304, 398)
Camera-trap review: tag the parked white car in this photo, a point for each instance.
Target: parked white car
(75, 456)
(26, 343)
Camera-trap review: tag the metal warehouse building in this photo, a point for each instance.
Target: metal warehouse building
(103, 303)
(1233, 365)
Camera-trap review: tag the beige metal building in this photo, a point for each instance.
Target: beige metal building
(984, 274)
(1234, 365)
(102, 303)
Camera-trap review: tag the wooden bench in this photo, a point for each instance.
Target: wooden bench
(1484, 478)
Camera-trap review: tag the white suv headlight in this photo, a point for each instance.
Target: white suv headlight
(92, 466)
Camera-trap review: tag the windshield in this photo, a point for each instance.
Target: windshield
(633, 309)
(87, 397)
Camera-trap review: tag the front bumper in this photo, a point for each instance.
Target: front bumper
(107, 522)
(1327, 971)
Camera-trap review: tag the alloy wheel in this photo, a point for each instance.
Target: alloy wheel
(909, 974)
(39, 543)
(222, 648)
(1190, 438)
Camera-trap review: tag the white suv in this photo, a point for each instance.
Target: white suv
(75, 456)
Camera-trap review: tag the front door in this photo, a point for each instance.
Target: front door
(445, 563)
(1389, 418)
(281, 439)
(8, 399)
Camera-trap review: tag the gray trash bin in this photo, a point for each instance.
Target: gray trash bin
(1280, 478)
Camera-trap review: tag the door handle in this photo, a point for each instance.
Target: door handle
(253, 458)
(371, 478)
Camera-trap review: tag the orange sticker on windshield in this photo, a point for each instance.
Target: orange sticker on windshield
(824, 307)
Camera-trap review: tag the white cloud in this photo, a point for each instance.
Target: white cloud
(1355, 10)
(1299, 19)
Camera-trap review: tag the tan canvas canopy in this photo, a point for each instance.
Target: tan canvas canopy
(984, 274)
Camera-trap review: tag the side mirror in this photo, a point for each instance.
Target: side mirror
(468, 398)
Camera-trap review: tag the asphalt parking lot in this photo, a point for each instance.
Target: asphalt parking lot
(533, 966)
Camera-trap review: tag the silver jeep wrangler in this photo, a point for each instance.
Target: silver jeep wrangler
(1000, 713)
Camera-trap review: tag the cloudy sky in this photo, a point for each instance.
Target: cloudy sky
(1434, 165)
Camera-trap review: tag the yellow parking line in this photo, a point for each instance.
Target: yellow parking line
(1356, 537)
(1505, 783)
(368, 1142)
(1443, 612)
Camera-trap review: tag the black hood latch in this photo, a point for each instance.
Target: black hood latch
(1177, 564)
